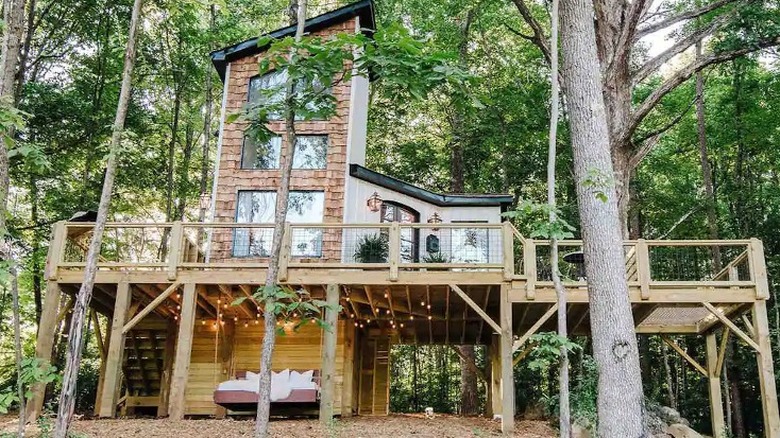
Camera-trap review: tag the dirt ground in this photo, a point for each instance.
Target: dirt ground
(443, 426)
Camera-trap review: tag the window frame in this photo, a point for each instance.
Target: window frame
(278, 159)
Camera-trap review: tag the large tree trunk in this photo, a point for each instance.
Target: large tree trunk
(620, 398)
(76, 332)
(297, 15)
(670, 394)
(469, 400)
(204, 167)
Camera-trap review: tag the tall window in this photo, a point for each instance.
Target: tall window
(269, 89)
(311, 152)
(394, 212)
(260, 206)
(470, 245)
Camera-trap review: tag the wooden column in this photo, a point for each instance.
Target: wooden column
(181, 361)
(165, 379)
(507, 368)
(327, 382)
(44, 345)
(347, 385)
(116, 347)
(716, 399)
(226, 343)
(766, 373)
(495, 375)
(103, 357)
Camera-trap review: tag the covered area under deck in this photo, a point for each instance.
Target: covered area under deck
(173, 334)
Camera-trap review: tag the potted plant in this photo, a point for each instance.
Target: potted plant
(436, 257)
(372, 248)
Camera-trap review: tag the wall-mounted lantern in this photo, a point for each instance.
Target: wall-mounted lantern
(205, 201)
(374, 202)
(435, 219)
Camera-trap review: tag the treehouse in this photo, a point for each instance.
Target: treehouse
(407, 265)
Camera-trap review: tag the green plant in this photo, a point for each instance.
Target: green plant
(372, 248)
(293, 308)
(435, 257)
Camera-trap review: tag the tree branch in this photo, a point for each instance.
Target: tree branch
(667, 126)
(646, 30)
(684, 74)
(538, 38)
(680, 46)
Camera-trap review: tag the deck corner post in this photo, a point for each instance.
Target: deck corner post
(59, 234)
(758, 269)
(508, 239)
(643, 268)
(713, 377)
(116, 346)
(495, 374)
(175, 245)
(44, 344)
(181, 363)
(327, 378)
(507, 367)
(766, 373)
(529, 266)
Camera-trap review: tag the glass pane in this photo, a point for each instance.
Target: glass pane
(310, 152)
(261, 156)
(268, 89)
(254, 207)
(306, 207)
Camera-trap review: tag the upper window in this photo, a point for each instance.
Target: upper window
(269, 89)
(310, 153)
(260, 207)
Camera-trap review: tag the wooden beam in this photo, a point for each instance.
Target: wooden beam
(724, 344)
(328, 376)
(742, 335)
(139, 362)
(476, 308)
(685, 355)
(766, 374)
(716, 398)
(430, 317)
(749, 326)
(495, 374)
(181, 365)
(643, 268)
(101, 343)
(44, 344)
(116, 346)
(148, 309)
(526, 351)
(507, 369)
(447, 318)
(758, 268)
(370, 298)
(165, 379)
(389, 293)
(531, 331)
(484, 305)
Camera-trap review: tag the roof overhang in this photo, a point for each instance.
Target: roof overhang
(437, 199)
(363, 9)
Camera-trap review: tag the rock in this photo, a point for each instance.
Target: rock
(579, 431)
(680, 430)
(671, 416)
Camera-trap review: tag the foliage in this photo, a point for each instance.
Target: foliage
(435, 257)
(538, 217)
(292, 308)
(547, 348)
(372, 248)
(33, 371)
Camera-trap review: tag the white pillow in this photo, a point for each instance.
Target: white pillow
(301, 380)
(280, 385)
(252, 376)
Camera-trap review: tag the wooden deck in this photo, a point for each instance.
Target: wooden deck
(493, 288)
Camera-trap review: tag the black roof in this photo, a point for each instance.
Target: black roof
(438, 199)
(363, 9)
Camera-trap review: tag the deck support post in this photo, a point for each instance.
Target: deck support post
(103, 358)
(495, 375)
(713, 377)
(507, 368)
(116, 347)
(44, 345)
(766, 373)
(347, 385)
(327, 378)
(228, 338)
(181, 364)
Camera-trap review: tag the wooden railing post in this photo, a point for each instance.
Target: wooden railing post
(643, 268)
(395, 250)
(174, 255)
(758, 268)
(284, 256)
(59, 233)
(529, 264)
(508, 238)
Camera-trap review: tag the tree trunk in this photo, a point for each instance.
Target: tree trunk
(620, 398)
(76, 332)
(204, 167)
(469, 400)
(564, 415)
(706, 168)
(297, 16)
(671, 399)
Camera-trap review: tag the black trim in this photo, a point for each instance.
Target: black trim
(363, 9)
(438, 199)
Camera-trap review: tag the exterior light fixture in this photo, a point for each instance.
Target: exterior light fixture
(435, 219)
(205, 201)
(374, 202)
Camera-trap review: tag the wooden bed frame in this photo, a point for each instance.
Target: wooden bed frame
(238, 400)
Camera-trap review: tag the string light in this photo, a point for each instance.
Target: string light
(175, 317)
(385, 294)
(430, 317)
(411, 317)
(388, 311)
(351, 315)
(402, 325)
(222, 323)
(219, 301)
(356, 324)
(368, 321)
(235, 318)
(203, 322)
(257, 322)
(224, 306)
(246, 325)
(422, 303)
(361, 325)
(429, 307)
(214, 325)
(347, 299)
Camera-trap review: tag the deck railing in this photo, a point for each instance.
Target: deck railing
(395, 247)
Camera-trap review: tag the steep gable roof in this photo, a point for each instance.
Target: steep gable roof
(363, 9)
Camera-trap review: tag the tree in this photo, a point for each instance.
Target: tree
(76, 332)
(620, 398)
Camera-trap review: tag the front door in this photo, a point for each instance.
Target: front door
(395, 212)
